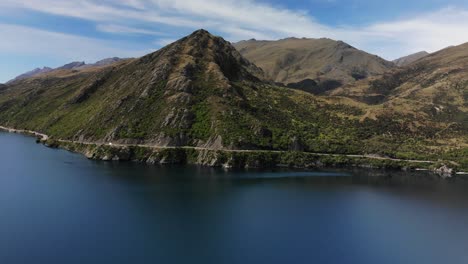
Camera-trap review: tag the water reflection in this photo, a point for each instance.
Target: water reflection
(58, 207)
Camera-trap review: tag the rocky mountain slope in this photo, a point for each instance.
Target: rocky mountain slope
(200, 92)
(313, 65)
(406, 60)
(165, 98)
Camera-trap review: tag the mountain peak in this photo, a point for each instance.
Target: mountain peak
(200, 35)
(204, 53)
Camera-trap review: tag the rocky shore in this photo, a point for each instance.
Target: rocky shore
(229, 158)
(232, 158)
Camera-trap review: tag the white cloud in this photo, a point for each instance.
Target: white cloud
(430, 32)
(244, 19)
(25, 40)
(164, 42)
(113, 28)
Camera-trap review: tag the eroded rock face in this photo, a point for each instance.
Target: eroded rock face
(108, 153)
(181, 118)
(230, 62)
(212, 143)
(180, 84)
(180, 98)
(163, 63)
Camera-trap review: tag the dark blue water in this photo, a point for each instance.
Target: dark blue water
(58, 207)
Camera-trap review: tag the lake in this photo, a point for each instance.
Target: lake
(59, 207)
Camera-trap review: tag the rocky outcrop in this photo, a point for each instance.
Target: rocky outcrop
(444, 171)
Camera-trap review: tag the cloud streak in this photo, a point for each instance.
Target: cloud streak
(118, 29)
(35, 42)
(243, 19)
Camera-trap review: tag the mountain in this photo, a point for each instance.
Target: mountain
(32, 73)
(201, 92)
(313, 65)
(403, 61)
(69, 66)
(105, 62)
(198, 91)
(101, 63)
(165, 98)
(433, 90)
(434, 78)
(72, 65)
(430, 95)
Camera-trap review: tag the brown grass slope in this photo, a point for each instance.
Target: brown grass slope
(432, 91)
(305, 63)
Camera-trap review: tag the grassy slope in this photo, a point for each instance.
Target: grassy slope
(294, 60)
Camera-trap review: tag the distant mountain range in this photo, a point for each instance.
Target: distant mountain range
(32, 73)
(403, 61)
(202, 94)
(69, 66)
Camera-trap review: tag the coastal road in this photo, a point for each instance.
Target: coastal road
(45, 137)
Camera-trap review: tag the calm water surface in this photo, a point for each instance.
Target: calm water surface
(58, 207)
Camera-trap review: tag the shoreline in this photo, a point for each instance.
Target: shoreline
(228, 158)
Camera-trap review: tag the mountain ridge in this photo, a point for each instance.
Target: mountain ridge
(31, 73)
(314, 65)
(201, 92)
(406, 60)
(175, 70)
(69, 66)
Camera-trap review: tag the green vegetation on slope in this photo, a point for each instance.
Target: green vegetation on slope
(201, 92)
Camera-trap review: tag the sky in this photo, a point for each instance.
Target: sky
(37, 33)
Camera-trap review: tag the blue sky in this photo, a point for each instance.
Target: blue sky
(38, 33)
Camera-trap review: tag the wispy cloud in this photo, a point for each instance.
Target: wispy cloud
(25, 40)
(243, 19)
(431, 32)
(164, 42)
(119, 29)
